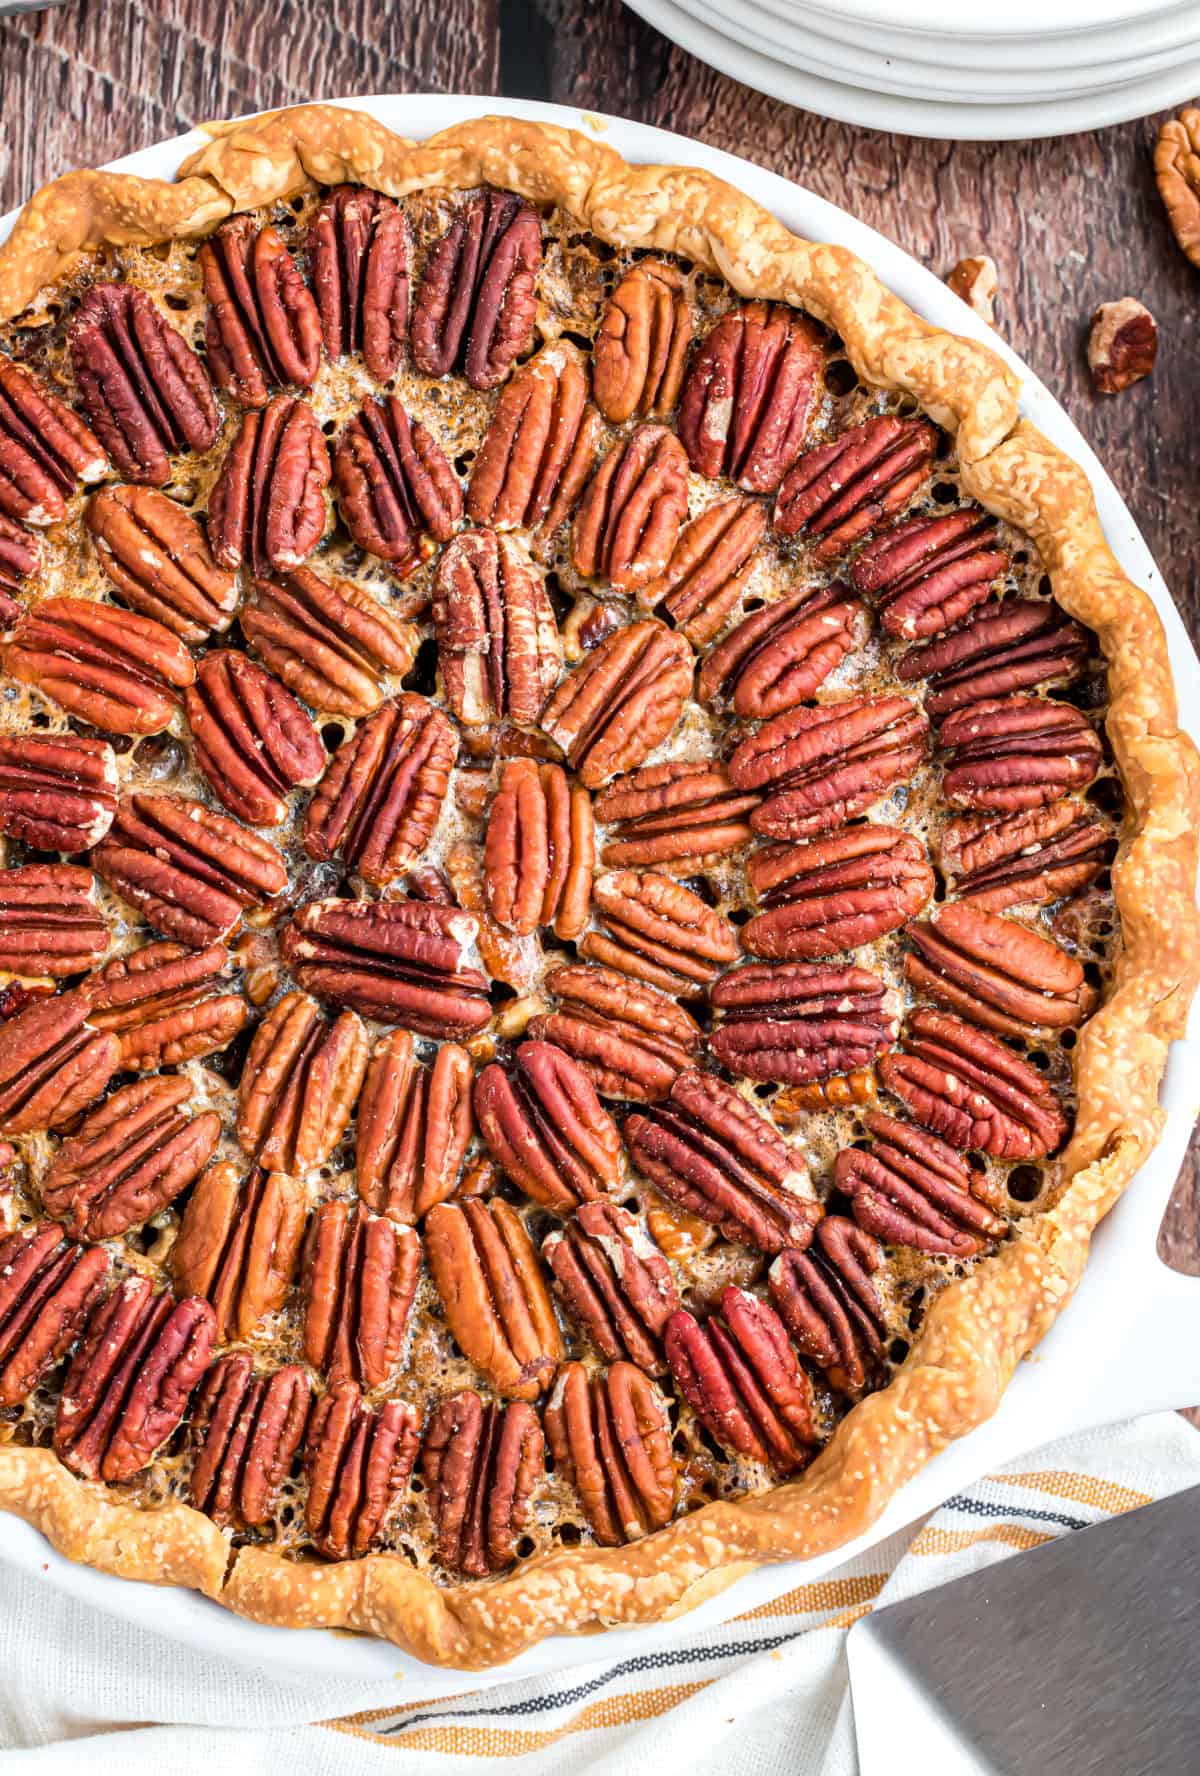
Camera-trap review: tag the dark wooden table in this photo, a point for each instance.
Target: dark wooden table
(1070, 223)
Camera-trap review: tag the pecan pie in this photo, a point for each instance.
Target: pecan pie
(597, 871)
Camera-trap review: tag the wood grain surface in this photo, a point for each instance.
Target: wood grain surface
(1071, 223)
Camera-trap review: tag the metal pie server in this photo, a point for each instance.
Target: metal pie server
(1079, 1658)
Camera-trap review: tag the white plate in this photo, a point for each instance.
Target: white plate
(1089, 1370)
(1016, 18)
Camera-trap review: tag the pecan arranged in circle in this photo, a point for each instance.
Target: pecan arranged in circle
(829, 1304)
(485, 1270)
(611, 1440)
(711, 1153)
(52, 1064)
(631, 1039)
(45, 449)
(414, 1126)
(401, 961)
(481, 1466)
(822, 766)
(299, 1085)
(130, 1381)
(246, 1430)
(129, 1158)
(157, 557)
(972, 1090)
(358, 1463)
(684, 811)
(539, 447)
(267, 506)
(739, 1375)
(622, 702)
(188, 871)
(108, 667)
(251, 738)
(359, 1283)
(163, 1003)
(781, 655)
(144, 389)
(642, 345)
(658, 931)
(47, 1288)
(239, 1244)
(20, 555)
(710, 568)
(925, 573)
(836, 892)
(476, 305)
(628, 520)
(262, 327)
(360, 254)
(1025, 859)
(996, 972)
(614, 1282)
(499, 650)
(540, 851)
(792, 1022)
(1009, 753)
(751, 394)
(1015, 645)
(839, 492)
(382, 795)
(544, 1125)
(911, 1189)
(397, 494)
(330, 641)
(49, 920)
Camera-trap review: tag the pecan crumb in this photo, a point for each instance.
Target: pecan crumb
(1122, 346)
(975, 280)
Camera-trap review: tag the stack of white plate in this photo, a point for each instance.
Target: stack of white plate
(950, 68)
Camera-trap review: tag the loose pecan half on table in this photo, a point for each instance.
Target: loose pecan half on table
(546, 1128)
(610, 1437)
(246, 1430)
(481, 1465)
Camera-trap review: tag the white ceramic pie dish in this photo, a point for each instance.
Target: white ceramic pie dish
(1093, 1367)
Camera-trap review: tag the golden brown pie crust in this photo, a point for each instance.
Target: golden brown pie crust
(979, 1327)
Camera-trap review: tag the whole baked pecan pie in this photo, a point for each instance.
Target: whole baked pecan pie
(598, 873)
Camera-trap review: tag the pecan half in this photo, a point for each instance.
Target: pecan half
(144, 389)
(996, 972)
(739, 1375)
(1024, 859)
(52, 1064)
(1177, 172)
(539, 851)
(614, 1282)
(911, 1189)
(397, 494)
(246, 1430)
(610, 1437)
(383, 794)
(476, 306)
(158, 559)
(414, 1126)
(162, 1003)
(627, 523)
(539, 448)
(130, 1381)
(45, 449)
(823, 765)
(642, 345)
(545, 1127)
(267, 506)
(1009, 753)
(188, 871)
(330, 641)
(359, 1282)
(49, 920)
(792, 1022)
(358, 1463)
(711, 1153)
(251, 738)
(401, 961)
(781, 655)
(360, 253)
(836, 892)
(239, 1244)
(262, 326)
(499, 650)
(485, 1269)
(106, 666)
(839, 492)
(630, 1038)
(709, 568)
(659, 931)
(751, 394)
(47, 1288)
(830, 1306)
(20, 556)
(622, 702)
(927, 572)
(972, 1090)
(1011, 646)
(299, 1085)
(686, 810)
(129, 1159)
(481, 1466)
